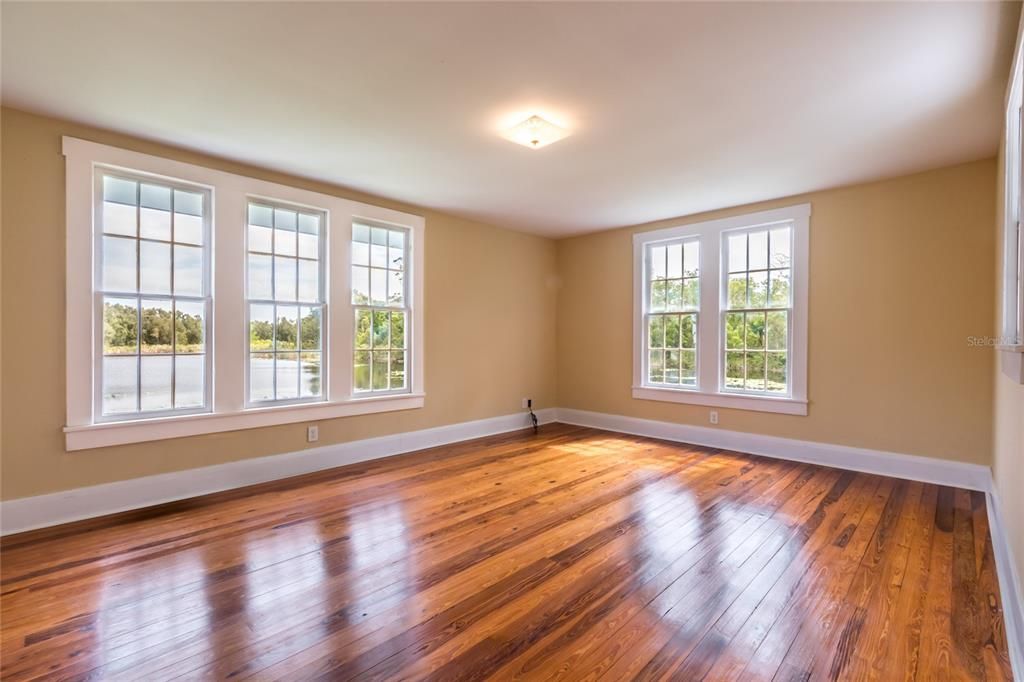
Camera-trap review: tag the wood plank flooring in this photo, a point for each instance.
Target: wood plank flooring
(572, 554)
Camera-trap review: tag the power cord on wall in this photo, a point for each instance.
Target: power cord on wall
(533, 417)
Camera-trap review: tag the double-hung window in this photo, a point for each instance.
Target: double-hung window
(721, 312)
(152, 296)
(201, 301)
(1012, 266)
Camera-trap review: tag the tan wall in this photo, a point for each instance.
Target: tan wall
(900, 277)
(1008, 422)
(490, 308)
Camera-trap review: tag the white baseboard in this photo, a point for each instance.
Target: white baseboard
(926, 469)
(1009, 584)
(29, 513)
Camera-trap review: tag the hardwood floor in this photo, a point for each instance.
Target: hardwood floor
(571, 554)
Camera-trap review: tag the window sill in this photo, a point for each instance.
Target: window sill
(738, 402)
(161, 428)
(1011, 348)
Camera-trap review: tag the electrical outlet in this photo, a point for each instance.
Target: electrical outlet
(312, 434)
(714, 416)
(527, 403)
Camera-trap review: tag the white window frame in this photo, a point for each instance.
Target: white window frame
(710, 388)
(99, 294)
(1012, 289)
(227, 333)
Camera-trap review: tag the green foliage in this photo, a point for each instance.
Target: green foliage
(121, 330)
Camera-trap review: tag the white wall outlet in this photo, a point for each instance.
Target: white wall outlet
(527, 402)
(312, 434)
(714, 416)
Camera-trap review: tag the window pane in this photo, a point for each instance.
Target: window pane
(734, 330)
(261, 376)
(262, 216)
(758, 289)
(776, 330)
(189, 381)
(755, 372)
(157, 327)
(738, 290)
(284, 279)
(657, 262)
(310, 387)
(671, 331)
(364, 323)
(777, 372)
(309, 239)
(688, 367)
(120, 326)
(381, 329)
(361, 233)
(154, 268)
(691, 259)
(379, 247)
(157, 375)
(737, 247)
(779, 289)
(656, 332)
(655, 366)
(260, 284)
(154, 224)
(188, 229)
(361, 370)
(261, 327)
(119, 264)
(120, 384)
(360, 285)
(755, 331)
(673, 294)
(119, 190)
(672, 366)
(734, 370)
(657, 295)
(691, 294)
(396, 256)
(309, 330)
(285, 331)
(260, 239)
(188, 203)
(397, 380)
(758, 249)
(378, 286)
(360, 253)
(779, 242)
(189, 326)
(379, 372)
(119, 219)
(285, 234)
(674, 255)
(396, 287)
(287, 376)
(188, 270)
(397, 330)
(688, 331)
(309, 280)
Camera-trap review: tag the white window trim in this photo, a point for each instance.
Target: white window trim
(226, 326)
(1012, 289)
(709, 332)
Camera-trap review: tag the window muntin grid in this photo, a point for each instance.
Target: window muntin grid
(757, 316)
(286, 304)
(153, 297)
(672, 285)
(381, 299)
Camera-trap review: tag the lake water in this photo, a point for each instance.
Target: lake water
(121, 373)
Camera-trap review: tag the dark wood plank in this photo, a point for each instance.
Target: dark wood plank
(568, 554)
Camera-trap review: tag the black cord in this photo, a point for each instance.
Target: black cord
(534, 418)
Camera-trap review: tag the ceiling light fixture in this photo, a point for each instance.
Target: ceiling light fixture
(535, 133)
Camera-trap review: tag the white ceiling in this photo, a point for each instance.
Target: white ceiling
(674, 108)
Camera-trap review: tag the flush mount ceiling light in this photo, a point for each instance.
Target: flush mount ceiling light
(535, 133)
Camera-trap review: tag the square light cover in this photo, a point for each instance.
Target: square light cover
(535, 133)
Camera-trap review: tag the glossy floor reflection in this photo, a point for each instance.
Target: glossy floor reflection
(572, 554)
